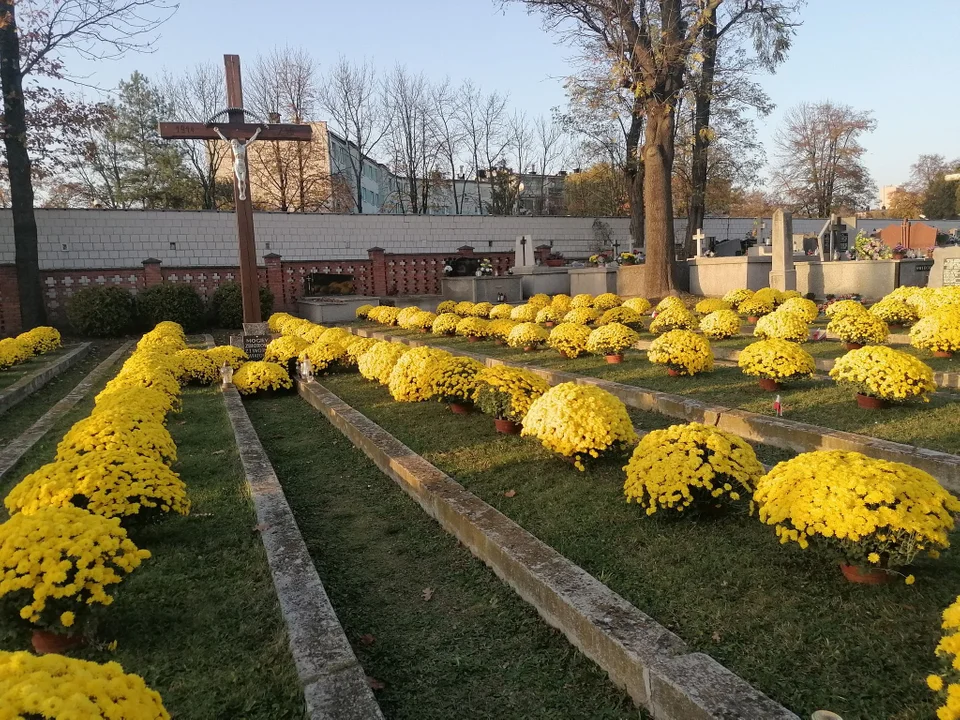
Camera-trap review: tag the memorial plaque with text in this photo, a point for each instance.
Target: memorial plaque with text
(255, 346)
(951, 271)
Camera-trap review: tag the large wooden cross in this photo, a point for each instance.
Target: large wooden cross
(236, 128)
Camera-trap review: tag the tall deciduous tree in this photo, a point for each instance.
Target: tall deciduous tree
(646, 45)
(820, 167)
(36, 38)
(415, 137)
(353, 100)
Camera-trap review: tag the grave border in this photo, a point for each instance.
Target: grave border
(654, 665)
(26, 386)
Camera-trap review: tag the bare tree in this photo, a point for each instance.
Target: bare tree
(646, 46)
(414, 135)
(197, 95)
(37, 44)
(352, 98)
(450, 135)
(820, 167)
(520, 138)
(548, 147)
(470, 119)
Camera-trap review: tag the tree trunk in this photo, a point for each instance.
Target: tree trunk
(658, 199)
(32, 311)
(703, 96)
(633, 171)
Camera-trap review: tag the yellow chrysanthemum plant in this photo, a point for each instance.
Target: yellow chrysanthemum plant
(721, 324)
(411, 379)
(446, 306)
(501, 311)
(384, 315)
(445, 324)
(623, 315)
(406, 315)
(844, 307)
(885, 375)
(115, 483)
(355, 348)
(669, 302)
(569, 339)
(324, 356)
(894, 312)
(198, 367)
(859, 329)
(549, 316)
(562, 303)
(13, 352)
(377, 362)
(363, 311)
(611, 341)
(683, 352)
(607, 301)
(41, 339)
(735, 297)
(454, 382)
(638, 305)
(691, 467)
(674, 316)
(481, 310)
(539, 300)
(873, 514)
(776, 362)
(769, 295)
(261, 377)
(31, 685)
(782, 326)
(755, 307)
(227, 355)
(463, 308)
(525, 313)
(939, 333)
(423, 321)
(472, 328)
(582, 315)
(946, 683)
(60, 565)
(711, 305)
(283, 349)
(148, 403)
(506, 393)
(117, 430)
(498, 330)
(527, 335)
(583, 300)
(579, 421)
(806, 309)
(276, 320)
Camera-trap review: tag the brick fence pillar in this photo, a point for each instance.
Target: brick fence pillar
(151, 272)
(465, 250)
(378, 271)
(275, 281)
(541, 253)
(9, 301)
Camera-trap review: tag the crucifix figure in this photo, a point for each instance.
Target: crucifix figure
(240, 158)
(239, 134)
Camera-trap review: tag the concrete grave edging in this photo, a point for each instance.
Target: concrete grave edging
(11, 454)
(29, 384)
(654, 665)
(777, 432)
(334, 684)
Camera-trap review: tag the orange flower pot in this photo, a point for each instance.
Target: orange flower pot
(852, 346)
(871, 403)
(942, 354)
(673, 373)
(769, 384)
(472, 338)
(507, 427)
(47, 643)
(614, 359)
(459, 409)
(865, 576)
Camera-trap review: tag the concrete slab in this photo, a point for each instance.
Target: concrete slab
(29, 384)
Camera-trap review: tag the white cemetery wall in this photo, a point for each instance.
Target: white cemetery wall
(715, 277)
(870, 278)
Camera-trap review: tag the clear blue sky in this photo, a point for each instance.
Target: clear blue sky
(898, 59)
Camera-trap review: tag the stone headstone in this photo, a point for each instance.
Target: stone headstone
(255, 339)
(783, 276)
(523, 252)
(946, 267)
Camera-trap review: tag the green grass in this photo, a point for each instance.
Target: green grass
(9, 376)
(475, 649)
(934, 425)
(24, 414)
(199, 620)
(782, 618)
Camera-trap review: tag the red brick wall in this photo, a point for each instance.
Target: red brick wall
(9, 301)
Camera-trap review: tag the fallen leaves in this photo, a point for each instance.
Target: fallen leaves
(427, 594)
(510, 493)
(367, 639)
(262, 527)
(375, 684)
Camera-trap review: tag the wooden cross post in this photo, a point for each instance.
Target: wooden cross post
(237, 129)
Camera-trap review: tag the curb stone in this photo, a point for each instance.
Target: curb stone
(29, 384)
(11, 454)
(653, 664)
(334, 684)
(778, 432)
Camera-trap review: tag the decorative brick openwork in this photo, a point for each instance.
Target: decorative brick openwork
(382, 274)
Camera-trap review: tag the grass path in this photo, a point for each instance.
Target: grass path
(783, 619)
(474, 649)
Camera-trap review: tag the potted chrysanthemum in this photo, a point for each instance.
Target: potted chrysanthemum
(611, 340)
(506, 393)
